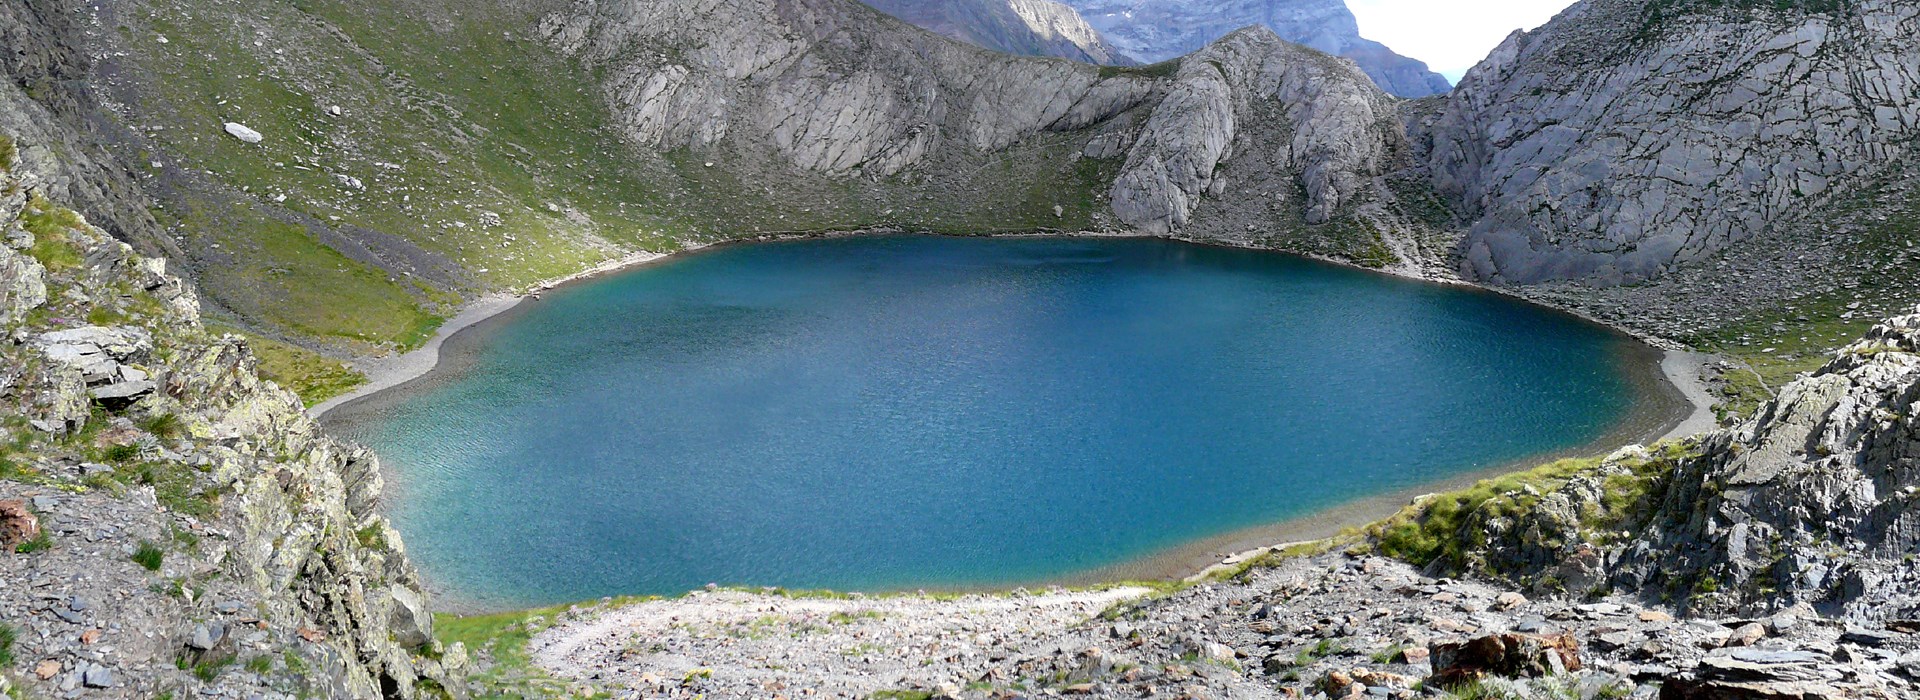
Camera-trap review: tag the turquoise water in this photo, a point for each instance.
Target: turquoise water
(907, 412)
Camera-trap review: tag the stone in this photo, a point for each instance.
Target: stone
(409, 618)
(1507, 655)
(207, 635)
(1509, 600)
(46, 670)
(1746, 635)
(240, 131)
(17, 524)
(98, 676)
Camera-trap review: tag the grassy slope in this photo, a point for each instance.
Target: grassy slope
(479, 160)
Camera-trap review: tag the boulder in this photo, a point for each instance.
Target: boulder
(1755, 674)
(1510, 655)
(17, 524)
(240, 131)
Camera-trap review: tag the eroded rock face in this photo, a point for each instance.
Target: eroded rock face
(1627, 137)
(1334, 118)
(830, 90)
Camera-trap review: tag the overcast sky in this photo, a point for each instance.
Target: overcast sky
(1450, 35)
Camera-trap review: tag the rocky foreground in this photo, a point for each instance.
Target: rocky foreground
(1328, 625)
(171, 525)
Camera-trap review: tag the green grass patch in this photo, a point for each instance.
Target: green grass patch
(901, 695)
(149, 556)
(501, 638)
(1163, 69)
(8, 637)
(1431, 530)
(176, 486)
(40, 543)
(50, 225)
(7, 152)
(312, 376)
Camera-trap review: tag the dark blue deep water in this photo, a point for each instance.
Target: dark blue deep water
(907, 412)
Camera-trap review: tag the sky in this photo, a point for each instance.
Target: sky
(1450, 35)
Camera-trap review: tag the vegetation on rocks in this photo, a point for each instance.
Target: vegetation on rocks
(1514, 526)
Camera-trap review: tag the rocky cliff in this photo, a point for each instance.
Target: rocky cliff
(1627, 138)
(1023, 27)
(831, 88)
(170, 524)
(1160, 30)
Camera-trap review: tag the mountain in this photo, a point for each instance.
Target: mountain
(1158, 30)
(1023, 27)
(1626, 138)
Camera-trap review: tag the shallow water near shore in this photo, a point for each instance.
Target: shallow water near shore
(900, 412)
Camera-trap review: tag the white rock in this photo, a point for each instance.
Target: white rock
(240, 131)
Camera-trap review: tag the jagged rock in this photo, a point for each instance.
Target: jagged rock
(22, 285)
(275, 506)
(1509, 655)
(207, 635)
(17, 523)
(97, 352)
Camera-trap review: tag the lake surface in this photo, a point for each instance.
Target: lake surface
(902, 412)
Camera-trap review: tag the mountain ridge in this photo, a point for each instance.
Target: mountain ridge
(1158, 30)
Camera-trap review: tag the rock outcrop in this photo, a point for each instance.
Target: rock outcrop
(1337, 140)
(1161, 30)
(1809, 502)
(1628, 137)
(825, 88)
(1806, 506)
(1022, 27)
(169, 518)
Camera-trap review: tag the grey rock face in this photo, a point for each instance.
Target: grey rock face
(1334, 116)
(1023, 27)
(280, 520)
(1614, 144)
(1158, 30)
(817, 83)
(1811, 501)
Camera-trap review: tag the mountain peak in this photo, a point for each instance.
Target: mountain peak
(1157, 30)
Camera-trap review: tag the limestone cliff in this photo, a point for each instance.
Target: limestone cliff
(176, 526)
(1628, 137)
(830, 87)
(1023, 27)
(1160, 30)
